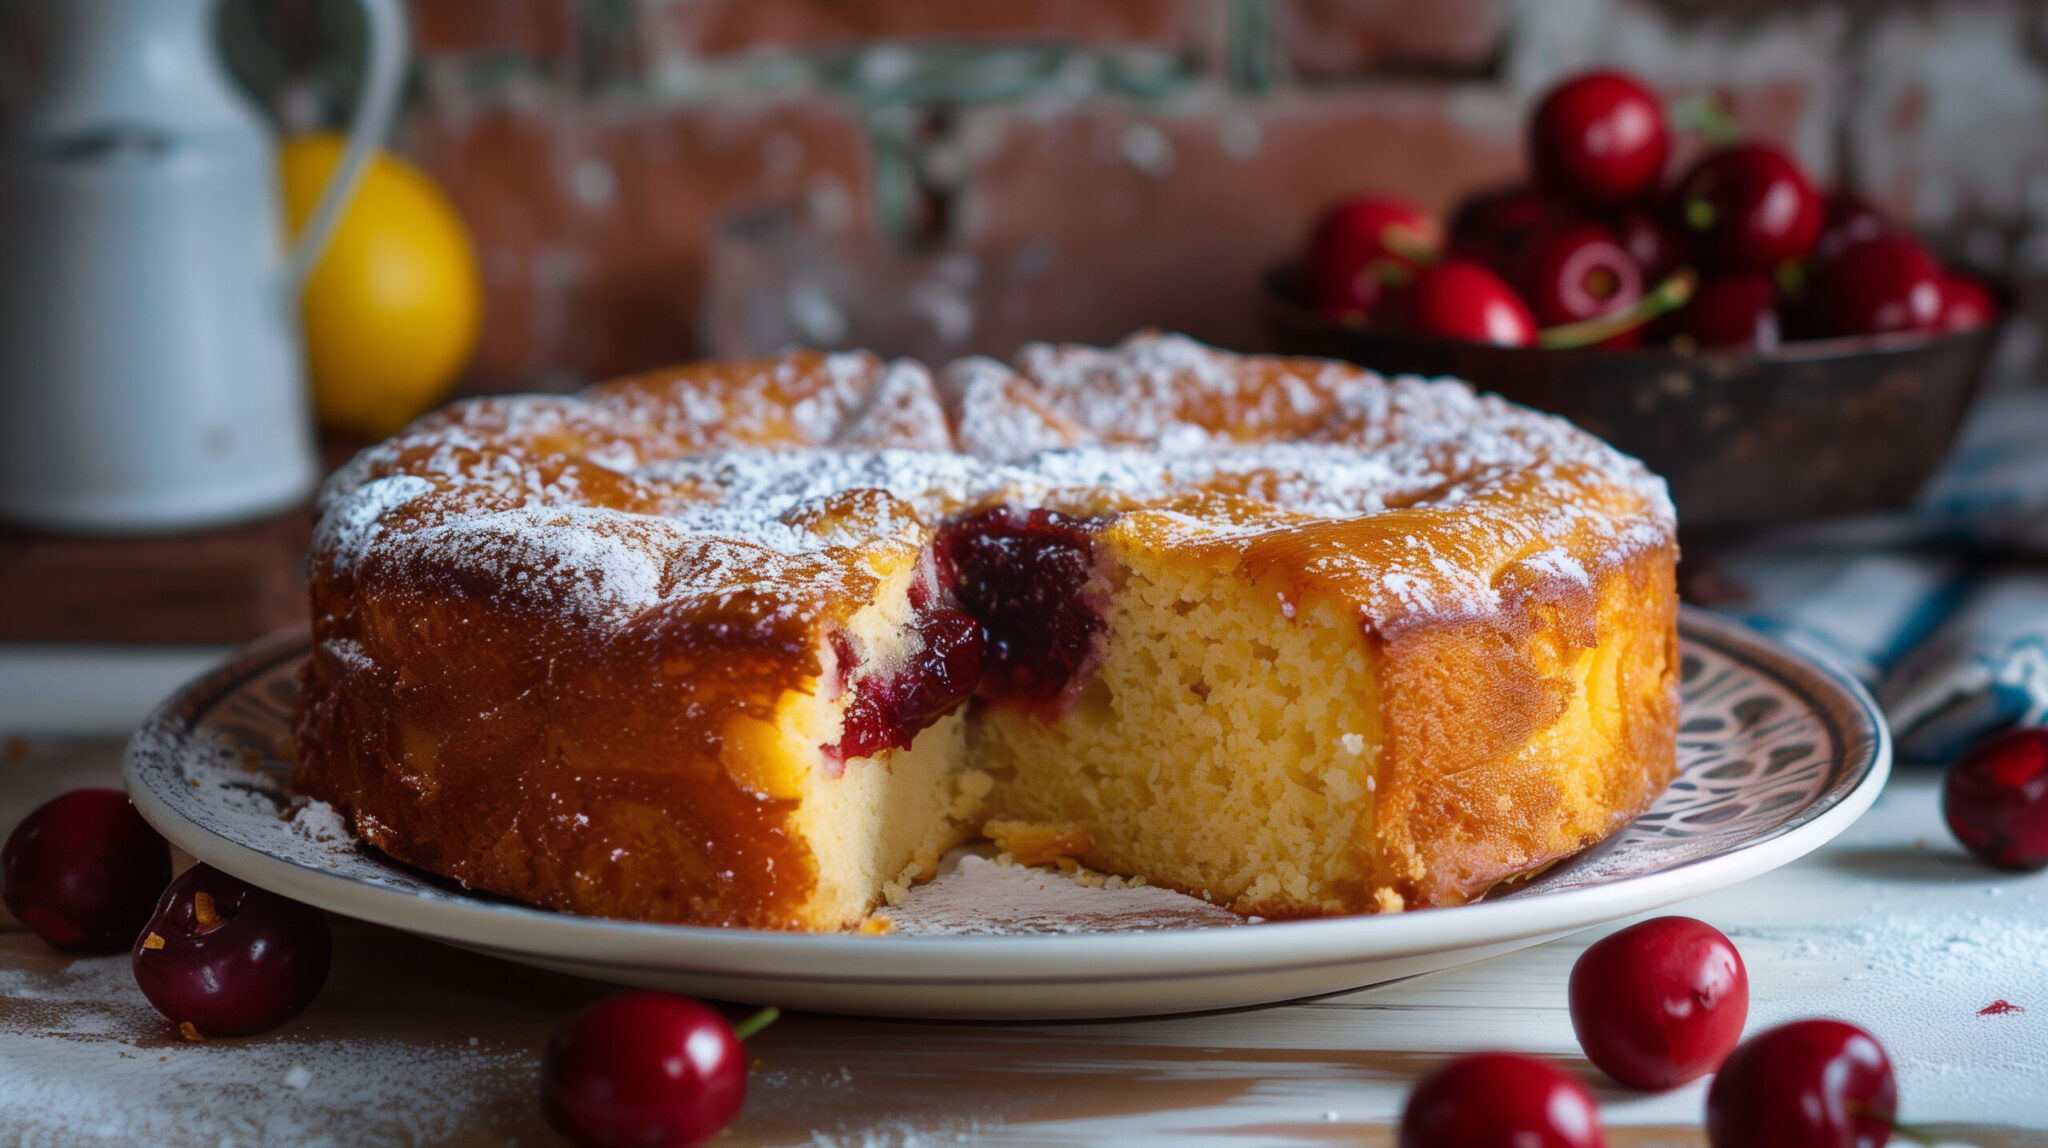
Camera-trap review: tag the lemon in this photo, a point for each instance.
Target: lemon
(391, 310)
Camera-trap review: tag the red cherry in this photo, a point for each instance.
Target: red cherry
(1493, 227)
(1889, 283)
(1599, 138)
(1579, 271)
(1659, 1003)
(1807, 1084)
(1363, 247)
(222, 957)
(1996, 800)
(84, 870)
(1657, 249)
(1848, 219)
(1733, 309)
(1459, 299)
(645, 1069)
(1500, 1100)
(1966, 303)
(1748, 207)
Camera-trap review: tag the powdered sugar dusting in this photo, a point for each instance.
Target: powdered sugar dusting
(590, 561)
(696, 480)
(904, 410)
(996, 416)
(322, 827)
(117, 1076)
(1917, 941)
(975, 896)
(348, 528)
(231, 778)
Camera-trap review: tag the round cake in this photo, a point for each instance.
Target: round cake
(755, 643)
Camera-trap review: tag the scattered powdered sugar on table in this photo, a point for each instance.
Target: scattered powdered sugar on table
(1933, 974)
(152, 1088)
(976, 896)
(1918, 970)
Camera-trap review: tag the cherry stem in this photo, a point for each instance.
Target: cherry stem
(1667, 296)
(1790, 277)
(757, 1022)
(1409, 244)
(1706, 115)
(1390, 273)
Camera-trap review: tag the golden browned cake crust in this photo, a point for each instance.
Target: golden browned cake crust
(1344, 644)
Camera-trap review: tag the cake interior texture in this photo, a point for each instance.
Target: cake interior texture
(756, 644)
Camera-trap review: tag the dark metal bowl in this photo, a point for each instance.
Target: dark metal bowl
(1746, 439)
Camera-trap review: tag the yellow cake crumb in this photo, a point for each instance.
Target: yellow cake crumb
(1036, 842)
(970, 790)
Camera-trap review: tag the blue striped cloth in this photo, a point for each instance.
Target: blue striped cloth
(1943, 609)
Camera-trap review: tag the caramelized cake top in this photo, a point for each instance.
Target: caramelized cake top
(776, 488)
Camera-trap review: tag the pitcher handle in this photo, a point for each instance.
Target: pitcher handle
(383, 75)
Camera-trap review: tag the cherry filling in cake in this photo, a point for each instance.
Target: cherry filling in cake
(1025, 630)
(889, 710)
(1155, 714)
(1024, 574)
(692, 647)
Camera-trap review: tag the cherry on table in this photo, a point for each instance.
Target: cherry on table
(1599, 138)
(1578, 271)
(1733, 309)
(1660, 1002)
(1459, 299)
(223, 958)
(646, 1069)
(1966, 303)
(1807, 1084)
(1748, 206)
(1995, 799)
(83, 871)
(1885, 284)
(1362, 248)
(1496, 1099)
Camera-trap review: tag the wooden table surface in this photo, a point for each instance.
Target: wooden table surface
(415, 1043)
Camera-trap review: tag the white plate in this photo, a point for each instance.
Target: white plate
(1777, 755)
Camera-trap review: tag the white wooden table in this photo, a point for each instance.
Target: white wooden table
(412, 1043)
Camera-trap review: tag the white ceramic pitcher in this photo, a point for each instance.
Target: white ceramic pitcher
(151, 372)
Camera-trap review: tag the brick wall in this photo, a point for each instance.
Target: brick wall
(962, 174)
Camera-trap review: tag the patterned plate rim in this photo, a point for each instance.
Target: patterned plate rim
(1860, 757)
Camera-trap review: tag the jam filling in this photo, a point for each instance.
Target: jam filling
(1023, 575)
(888, 711)
(1022, 631)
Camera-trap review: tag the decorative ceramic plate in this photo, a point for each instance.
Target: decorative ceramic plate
(1776, 756)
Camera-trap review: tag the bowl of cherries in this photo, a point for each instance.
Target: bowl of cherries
(1776, 351)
